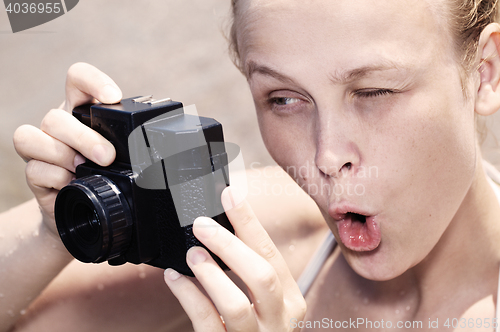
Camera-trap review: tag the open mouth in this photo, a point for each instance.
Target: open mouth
(359, 232)
(355, 217)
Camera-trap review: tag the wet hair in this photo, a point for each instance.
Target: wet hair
(467, 20)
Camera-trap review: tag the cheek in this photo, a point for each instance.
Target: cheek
(289, 140)
(427, 162)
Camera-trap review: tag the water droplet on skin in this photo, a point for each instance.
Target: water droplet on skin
(100, 286)
(291, 247)
(408, 308)
(358, 291)
(356, 308)
(402, 293)
(1, 295)
(54, 246)
(10, 313)
(258, 301)
(142, 275)
(22, 312)
(397, 311)
(366, 301)
(36, 233)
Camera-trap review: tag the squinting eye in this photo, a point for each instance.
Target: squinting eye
(281, 101)
(367, 93)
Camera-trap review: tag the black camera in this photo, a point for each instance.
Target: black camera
(170, 168)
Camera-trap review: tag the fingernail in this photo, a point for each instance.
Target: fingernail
(196, 255)
(171, 274)
(230, 198)
(100, 153)
(205, 227)
(110, 94)
(79, 159)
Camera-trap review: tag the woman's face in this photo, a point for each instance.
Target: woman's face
(361, 102)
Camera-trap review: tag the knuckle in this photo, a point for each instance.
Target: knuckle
(204, 313)
(301, 308)
(63, 155)
(50, 120)
(267, 249)
(33, 171)
(238, 312)
(297, 306)
(245, 216)
(74, 69)
(267, 278)
(20, 136)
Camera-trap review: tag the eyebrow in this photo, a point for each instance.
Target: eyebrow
(253, 68)
(338, 78)
(346, 77)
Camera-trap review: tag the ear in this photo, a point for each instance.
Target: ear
(488, 64)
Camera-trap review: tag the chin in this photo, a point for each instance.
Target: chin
(374, 265)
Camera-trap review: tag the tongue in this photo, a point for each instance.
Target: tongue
(359, 233)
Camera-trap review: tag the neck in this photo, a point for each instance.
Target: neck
(467, 254)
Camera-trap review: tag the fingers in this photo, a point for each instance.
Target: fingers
(255, 259)
(32, 143)
(45, 180)
(68, 130)
(248, 228)
(230, 301)
(199, 309)
(85, 82)
(46, 176)
(255, 271)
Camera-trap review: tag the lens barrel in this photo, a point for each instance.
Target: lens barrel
(93, 219)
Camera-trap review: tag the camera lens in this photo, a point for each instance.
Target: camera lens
(86, 223)
(93, 219)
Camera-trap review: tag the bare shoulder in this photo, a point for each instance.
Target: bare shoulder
(288, 214)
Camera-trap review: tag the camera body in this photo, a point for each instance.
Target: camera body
(170, 168)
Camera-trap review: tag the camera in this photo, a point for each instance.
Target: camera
(170, 168)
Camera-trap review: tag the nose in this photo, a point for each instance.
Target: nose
(336, 153)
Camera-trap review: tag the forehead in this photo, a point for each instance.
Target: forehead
(343, 32)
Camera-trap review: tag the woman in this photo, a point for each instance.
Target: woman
(340, 87)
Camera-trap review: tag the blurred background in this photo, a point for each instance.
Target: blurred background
(173, 48)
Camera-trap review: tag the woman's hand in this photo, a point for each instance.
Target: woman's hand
(53, 151)
(275, 298)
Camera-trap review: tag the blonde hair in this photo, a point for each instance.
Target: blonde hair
(468, 19)
(233, 38)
